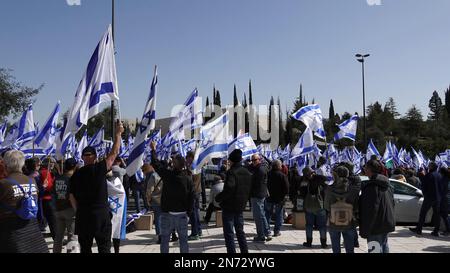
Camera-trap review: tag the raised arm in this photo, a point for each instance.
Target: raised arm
(116, 146)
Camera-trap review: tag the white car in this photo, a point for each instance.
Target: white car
(408, 201)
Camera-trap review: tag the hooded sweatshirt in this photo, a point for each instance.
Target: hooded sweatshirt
(376, 207)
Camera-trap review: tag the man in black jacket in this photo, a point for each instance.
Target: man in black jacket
(431, 188)
(278, 186)
(258, 196)
(176, 200)
(233, 199)
(376, 208)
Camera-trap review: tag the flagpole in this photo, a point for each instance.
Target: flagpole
(112, 101)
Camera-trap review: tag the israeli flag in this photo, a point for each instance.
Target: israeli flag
(98, 139)
(99, 84)
(348, 129)
(189, 116)
(305, 144)
(3, 132)
(418, 160)
(326, 171)
(190, 146)
(244, 143)
(372, 150)
(26, 131)
(311, 116)
(214, 142)
(388, 153)
(136, 158)
(331, 154)
(80, 147)
(118, 207)
(47, 136)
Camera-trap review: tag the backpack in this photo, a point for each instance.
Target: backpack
(28, 206)
(341, 215)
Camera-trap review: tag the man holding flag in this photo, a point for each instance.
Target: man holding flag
(89, 197)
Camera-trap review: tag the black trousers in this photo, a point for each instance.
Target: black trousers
(48, 208)
(103, 242)
(426, 205)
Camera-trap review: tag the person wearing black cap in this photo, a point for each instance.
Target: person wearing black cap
(89, 195)
(65, 213)
(232, 200)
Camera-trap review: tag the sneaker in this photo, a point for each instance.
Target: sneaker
(259, 240)
(416, 231)
(193, 238)
(174, 238)
(268, 238)
(435, 234)
(276, 234)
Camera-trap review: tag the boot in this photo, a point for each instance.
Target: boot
(323, 243)
(308, 242)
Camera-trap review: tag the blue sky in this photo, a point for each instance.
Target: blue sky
(198, 43)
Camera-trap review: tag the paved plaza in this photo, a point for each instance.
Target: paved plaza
(290, 241)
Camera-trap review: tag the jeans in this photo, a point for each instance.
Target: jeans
(103, 241)
(321, 218)
(232, 219)
(196, 227)
(64, 221)
(168, 223)
(48, 209)
(349, 240)
(279, 211)
(157, 211)
(137, 194)
(378, 243)
(262, 225)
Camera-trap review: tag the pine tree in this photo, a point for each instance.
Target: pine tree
(208, 111)
(331, 111)
(244, 101)
(281, 130)
(413, 122)
(250, 96)
(390, 107)
(218, 102)
(235, 98)
(435, 105)
(447, 101)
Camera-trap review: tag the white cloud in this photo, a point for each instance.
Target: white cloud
(374, 2)
(73, 2)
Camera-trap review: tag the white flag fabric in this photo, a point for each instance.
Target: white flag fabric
(81, 145)
(348, 129)
(26, 132)
(244, 143)
(99, 84)
(311, 116)
(136, 158)
(188, 117)
(214, 142)
(118, 208)
(372, 150)
(305, 144)
(47, 136)
(3, 128)
(97, 139)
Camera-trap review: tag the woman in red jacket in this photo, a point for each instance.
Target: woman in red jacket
(48, 206)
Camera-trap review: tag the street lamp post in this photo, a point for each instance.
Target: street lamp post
(361, 58)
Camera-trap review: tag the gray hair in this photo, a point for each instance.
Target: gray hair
(14, 161)
(276, 164)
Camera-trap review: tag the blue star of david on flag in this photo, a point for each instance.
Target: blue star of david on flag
(114, 204)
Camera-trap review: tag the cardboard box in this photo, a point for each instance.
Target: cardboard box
(219, 222)
(145, 222)
(299, 220)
